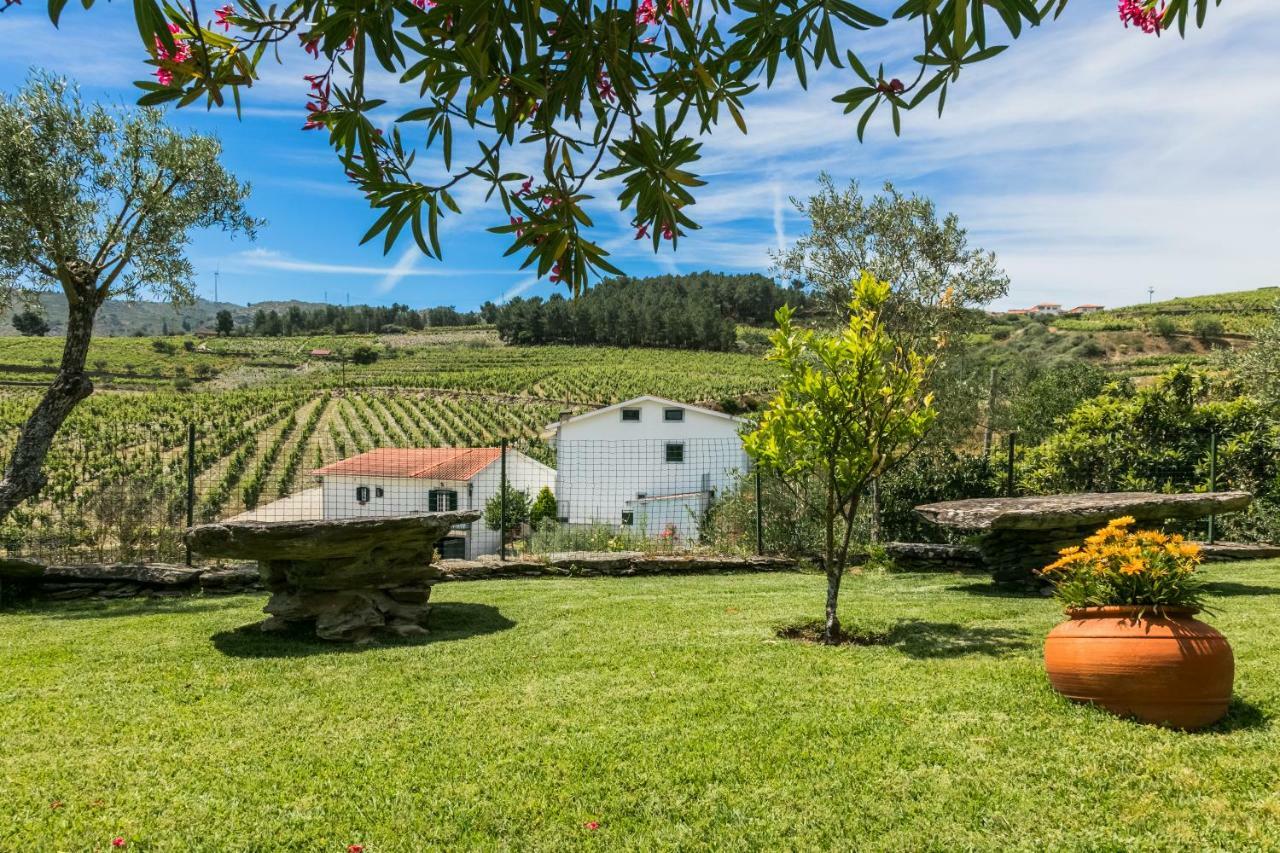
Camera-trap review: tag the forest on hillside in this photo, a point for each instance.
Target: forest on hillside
(692, 311)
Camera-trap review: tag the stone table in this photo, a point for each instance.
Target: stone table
(350, 577)
(1017, 536)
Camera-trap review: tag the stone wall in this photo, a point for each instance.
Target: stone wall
(609, 563)
(21, 578)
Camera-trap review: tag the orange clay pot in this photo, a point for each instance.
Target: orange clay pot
(1172, 670)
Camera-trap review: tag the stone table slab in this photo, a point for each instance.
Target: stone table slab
(1051, 512)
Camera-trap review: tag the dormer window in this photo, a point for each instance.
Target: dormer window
(673, 414)
(632, 415)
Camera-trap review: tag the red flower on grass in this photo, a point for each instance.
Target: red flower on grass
(355, 848)
(117, 842)
(592, 825)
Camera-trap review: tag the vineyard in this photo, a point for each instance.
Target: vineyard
(118, 472)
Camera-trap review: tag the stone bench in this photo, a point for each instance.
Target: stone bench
(349, 577)
(1017, 536)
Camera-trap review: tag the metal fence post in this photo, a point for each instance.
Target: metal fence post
(191, 480)
(502, 524)
(1213, 476)
(759, 518)
(1008, 469)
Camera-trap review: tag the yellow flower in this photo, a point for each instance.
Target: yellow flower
(1071, 549)
(1133, 567)
(1121, 522)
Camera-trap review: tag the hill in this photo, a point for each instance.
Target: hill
(124, 318)
(1239, 312)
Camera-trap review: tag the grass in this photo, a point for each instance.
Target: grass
(665, 709)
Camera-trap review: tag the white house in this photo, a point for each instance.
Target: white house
(649, 463)
(394, 481)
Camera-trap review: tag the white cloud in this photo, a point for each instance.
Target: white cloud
(273, 260)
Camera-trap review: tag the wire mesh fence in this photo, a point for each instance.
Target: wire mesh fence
(667, 487)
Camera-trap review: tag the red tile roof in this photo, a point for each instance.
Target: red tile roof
(428, 463)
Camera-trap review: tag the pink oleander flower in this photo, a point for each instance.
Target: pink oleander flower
(605, 88)
(1143, 15)
(646, 13)
(182, 52)
(350, 42)
(526, 187)
(425, 4)
(556, 277)
(668, 233)
(220, 17)
(642, 232)
(312, 47)
(518, 221)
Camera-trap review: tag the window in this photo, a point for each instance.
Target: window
(362, 494)
(442, 500)
(673, 414)
(378, 492)
(628, 517)
(631, 414)
(675, 451)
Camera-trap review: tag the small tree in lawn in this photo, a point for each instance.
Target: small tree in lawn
(518, 505)
(99, 204)
(850, 406)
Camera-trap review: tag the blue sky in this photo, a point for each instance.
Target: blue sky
(1095, 161)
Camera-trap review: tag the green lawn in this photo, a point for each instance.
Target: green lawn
(661, 708)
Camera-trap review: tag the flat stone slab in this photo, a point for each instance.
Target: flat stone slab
(1054, 512)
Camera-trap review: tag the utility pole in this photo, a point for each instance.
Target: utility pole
(216, 273)
(1151, 292)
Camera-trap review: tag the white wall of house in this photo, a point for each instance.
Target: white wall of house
(607, 464)
(409, 495)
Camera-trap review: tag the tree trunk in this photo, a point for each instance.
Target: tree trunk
(831, 628)
(834, 567)
(24, 476)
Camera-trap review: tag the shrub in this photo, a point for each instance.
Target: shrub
(1163, 326)
(1145, 568)
(163, 347)
(364, 354)
(544, 508)
(1207, 328)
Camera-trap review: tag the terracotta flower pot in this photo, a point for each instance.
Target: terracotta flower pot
(1172, 670)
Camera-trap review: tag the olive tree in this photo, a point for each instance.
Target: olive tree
(849, 407)
(99, 204)
(532, 99)
(937, 279)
